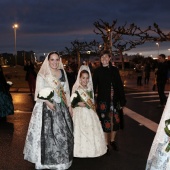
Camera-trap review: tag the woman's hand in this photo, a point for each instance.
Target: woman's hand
(81, 104)
(50, 105)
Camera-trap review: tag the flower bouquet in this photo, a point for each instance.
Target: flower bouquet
(9, 83)
(74, 95)
(46, 94)
(167, 131)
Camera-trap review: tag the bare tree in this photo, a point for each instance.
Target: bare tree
(81, 47)
(157, 34)
(126, 37)
(122, 38)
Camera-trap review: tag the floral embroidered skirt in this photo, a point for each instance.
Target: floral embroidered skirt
(111, 119)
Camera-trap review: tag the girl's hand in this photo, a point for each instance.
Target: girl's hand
(50, 105)
(81, 104)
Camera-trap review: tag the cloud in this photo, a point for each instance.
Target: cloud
(45, 25)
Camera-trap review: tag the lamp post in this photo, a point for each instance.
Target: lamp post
(158, 47)
(15, 26)
(110, 39)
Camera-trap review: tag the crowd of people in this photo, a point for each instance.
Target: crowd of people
(78, 114)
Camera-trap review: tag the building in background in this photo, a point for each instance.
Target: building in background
(9, 59)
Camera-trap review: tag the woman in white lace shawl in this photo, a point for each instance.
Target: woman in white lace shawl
(49, 141)
(159, 158)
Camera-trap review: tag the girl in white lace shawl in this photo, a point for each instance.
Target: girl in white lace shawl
(89, 139)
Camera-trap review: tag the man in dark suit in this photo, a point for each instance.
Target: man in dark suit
(161, 78)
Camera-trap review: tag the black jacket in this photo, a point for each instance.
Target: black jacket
(103, 79)
(162, 72)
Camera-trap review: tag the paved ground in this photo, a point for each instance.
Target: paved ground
(134, 141)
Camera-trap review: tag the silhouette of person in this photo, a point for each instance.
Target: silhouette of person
(161, 78)
(30, 76)
(6, 104)
(147, 70)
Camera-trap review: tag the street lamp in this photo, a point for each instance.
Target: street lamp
(15, 26)
(158, 47)
(110, 39)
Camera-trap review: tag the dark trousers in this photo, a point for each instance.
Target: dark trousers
(147, 77)
(161, 89)
(31, 83)
(139, 80)
(147, 80)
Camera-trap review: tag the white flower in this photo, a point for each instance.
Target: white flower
(74, 95)
(10, 83)
(169, 127)
(46, 93)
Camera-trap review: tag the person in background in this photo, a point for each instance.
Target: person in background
(168, 76)
(84, 62)
(89, 140)
(90, 66)
(49, 141)
(29, 67)
(71, 75)
(147, 70)
(139, 72)
(161, 78)
(109, 91)
(6, 104)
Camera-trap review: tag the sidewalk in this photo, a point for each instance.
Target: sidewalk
(132, 155)
(129, 84)
(19, 90)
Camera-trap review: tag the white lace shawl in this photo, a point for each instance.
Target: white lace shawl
(46, 74)
(161, 136)
(77, 83)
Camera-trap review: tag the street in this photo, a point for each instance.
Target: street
(134, 141)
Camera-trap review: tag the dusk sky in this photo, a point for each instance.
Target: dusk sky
(48, 25)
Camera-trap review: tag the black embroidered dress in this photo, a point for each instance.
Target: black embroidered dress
(108, 85)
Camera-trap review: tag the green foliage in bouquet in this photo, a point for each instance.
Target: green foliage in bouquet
(167, 131)
(46, 94)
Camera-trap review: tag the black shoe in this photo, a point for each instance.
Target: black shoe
(108, 151)
(114, 146)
